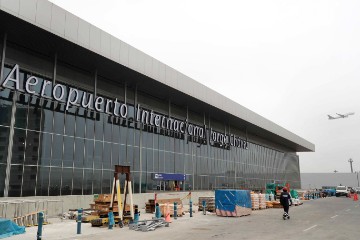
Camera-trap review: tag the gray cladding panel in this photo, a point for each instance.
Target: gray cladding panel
(84, 34)
(28, 9)
(115, 49)
(71, 27)
(43, 14)
(124, 54)
(11, 5)
(95, 38)
(105, 44)
(58, 20)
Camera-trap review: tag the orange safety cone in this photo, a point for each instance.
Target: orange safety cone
(167, 214)
(167, 218)
(355, 197)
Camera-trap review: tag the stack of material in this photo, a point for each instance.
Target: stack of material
(276, 204)
(262, 201)
(255, 204)
(150, 206)
(232, 203)
(101, 205)
(169, 208)
(269, 197)
(210, 203)
(269, 204)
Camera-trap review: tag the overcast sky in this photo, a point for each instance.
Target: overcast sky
(292, 62)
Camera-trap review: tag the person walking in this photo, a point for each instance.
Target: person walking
(285, 200)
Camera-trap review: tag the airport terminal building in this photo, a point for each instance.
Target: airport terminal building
(75, 101)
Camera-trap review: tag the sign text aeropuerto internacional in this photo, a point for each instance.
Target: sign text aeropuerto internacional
(72, 97)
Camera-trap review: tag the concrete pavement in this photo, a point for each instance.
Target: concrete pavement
(328, 218)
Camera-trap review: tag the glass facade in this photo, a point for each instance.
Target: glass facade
(73, 152)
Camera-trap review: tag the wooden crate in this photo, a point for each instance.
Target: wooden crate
(163, 209)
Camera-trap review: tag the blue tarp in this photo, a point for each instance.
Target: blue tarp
(229, 198)
(9, 228)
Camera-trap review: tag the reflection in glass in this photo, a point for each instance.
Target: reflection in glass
(29, 181)
(77, 182)
(68, 157)
(55, 181)
(45, 146)
(16, 173)
(57, 150)
(18, 150)
(79, 153)
(66, 185)
(4, 141)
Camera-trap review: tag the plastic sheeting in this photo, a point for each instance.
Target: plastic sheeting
(9, 228)
(228, 199)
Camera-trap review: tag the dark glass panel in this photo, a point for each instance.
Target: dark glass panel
(45, 149)
(59, 118)
(123, 134)
(130, 156)
(143, 166)
(68, 156)
(108, 128)
(55, 181)
(149, 140)
(130, 136)
(144, 136)
(32, 147)
(66, 185)
(77, 182)
(21, 113)
(169, 162)
(70, 121)
(136, 157)
(115, 157)
(99, 126)
(161, 161)
(89, 154)
(29, 181)
(90, 124)
(106, 181)
(79, 152)
(4, 141)
(47, 116)
(87, 182)
(115, 133)
(107, 156)
(2, 178)
(156, 161)
(97, 181)
(98, 155)
(16, 173)
(122, 156)
(42, 181)
(80, 123)
(135, 180)
(161, 142)
(18, 146)
(156, 140)
(149, 160)
(5, 107)
(137, 137)
(57, 150)
(179, 163)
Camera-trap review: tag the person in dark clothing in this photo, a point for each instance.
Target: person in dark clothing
(285, 199)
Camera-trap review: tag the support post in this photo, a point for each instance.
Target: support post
(40, 225)
(79, 219)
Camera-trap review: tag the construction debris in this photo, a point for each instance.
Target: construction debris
(148, 225)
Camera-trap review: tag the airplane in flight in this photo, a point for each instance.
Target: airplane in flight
(341, 115)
